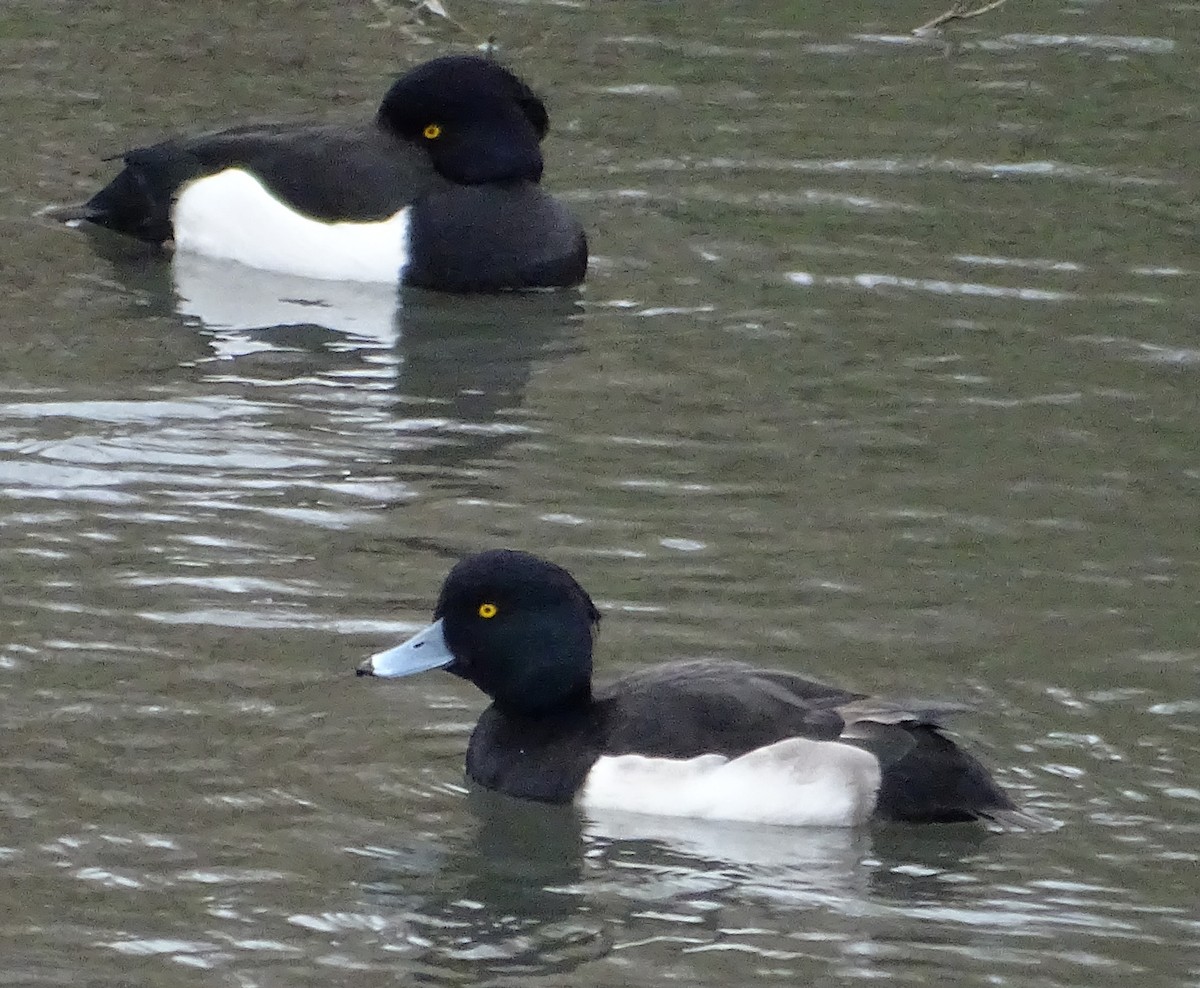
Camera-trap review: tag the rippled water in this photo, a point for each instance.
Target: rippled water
(885, 371)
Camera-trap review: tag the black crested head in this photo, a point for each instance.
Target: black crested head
(521, 629)
(478, 122)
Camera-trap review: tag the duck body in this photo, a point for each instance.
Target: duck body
(442, 190)
(679, 711)
(710, 739)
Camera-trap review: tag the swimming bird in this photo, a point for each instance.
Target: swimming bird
(441, 190)
(711, 739)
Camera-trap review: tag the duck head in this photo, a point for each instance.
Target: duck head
(518, 627)
(478, 122)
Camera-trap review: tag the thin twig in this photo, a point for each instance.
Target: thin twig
(957, 13)
(410, 14)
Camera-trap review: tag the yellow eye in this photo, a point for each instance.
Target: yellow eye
(487, 610)
(433, 132)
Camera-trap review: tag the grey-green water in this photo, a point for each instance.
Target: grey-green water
(886, 371)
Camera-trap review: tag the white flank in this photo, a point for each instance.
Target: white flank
(795, 782)
(232, 215)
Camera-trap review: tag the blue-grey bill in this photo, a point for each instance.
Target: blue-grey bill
(425, 650)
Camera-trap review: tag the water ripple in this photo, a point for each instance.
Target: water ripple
(1046, 169)
(875, 281)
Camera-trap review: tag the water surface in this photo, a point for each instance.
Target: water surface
(885, 371)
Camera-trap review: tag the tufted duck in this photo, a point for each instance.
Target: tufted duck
(440, 190)
(721, 740)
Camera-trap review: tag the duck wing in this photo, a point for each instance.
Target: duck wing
(685, 709)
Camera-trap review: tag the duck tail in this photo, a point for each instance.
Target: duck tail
(138, 201)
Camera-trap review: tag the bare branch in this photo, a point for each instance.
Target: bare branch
(958, 12)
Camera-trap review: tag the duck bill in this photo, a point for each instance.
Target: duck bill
(425, 650)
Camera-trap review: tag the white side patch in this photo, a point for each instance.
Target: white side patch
(233, 216)
(795, 782)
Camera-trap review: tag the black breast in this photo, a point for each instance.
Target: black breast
(481, 238)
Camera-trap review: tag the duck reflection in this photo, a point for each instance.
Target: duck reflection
(534, 889)
(543, 889)
(466, 364)
(502, 896)
(456, 366)
(244, 310)
(450, 371)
